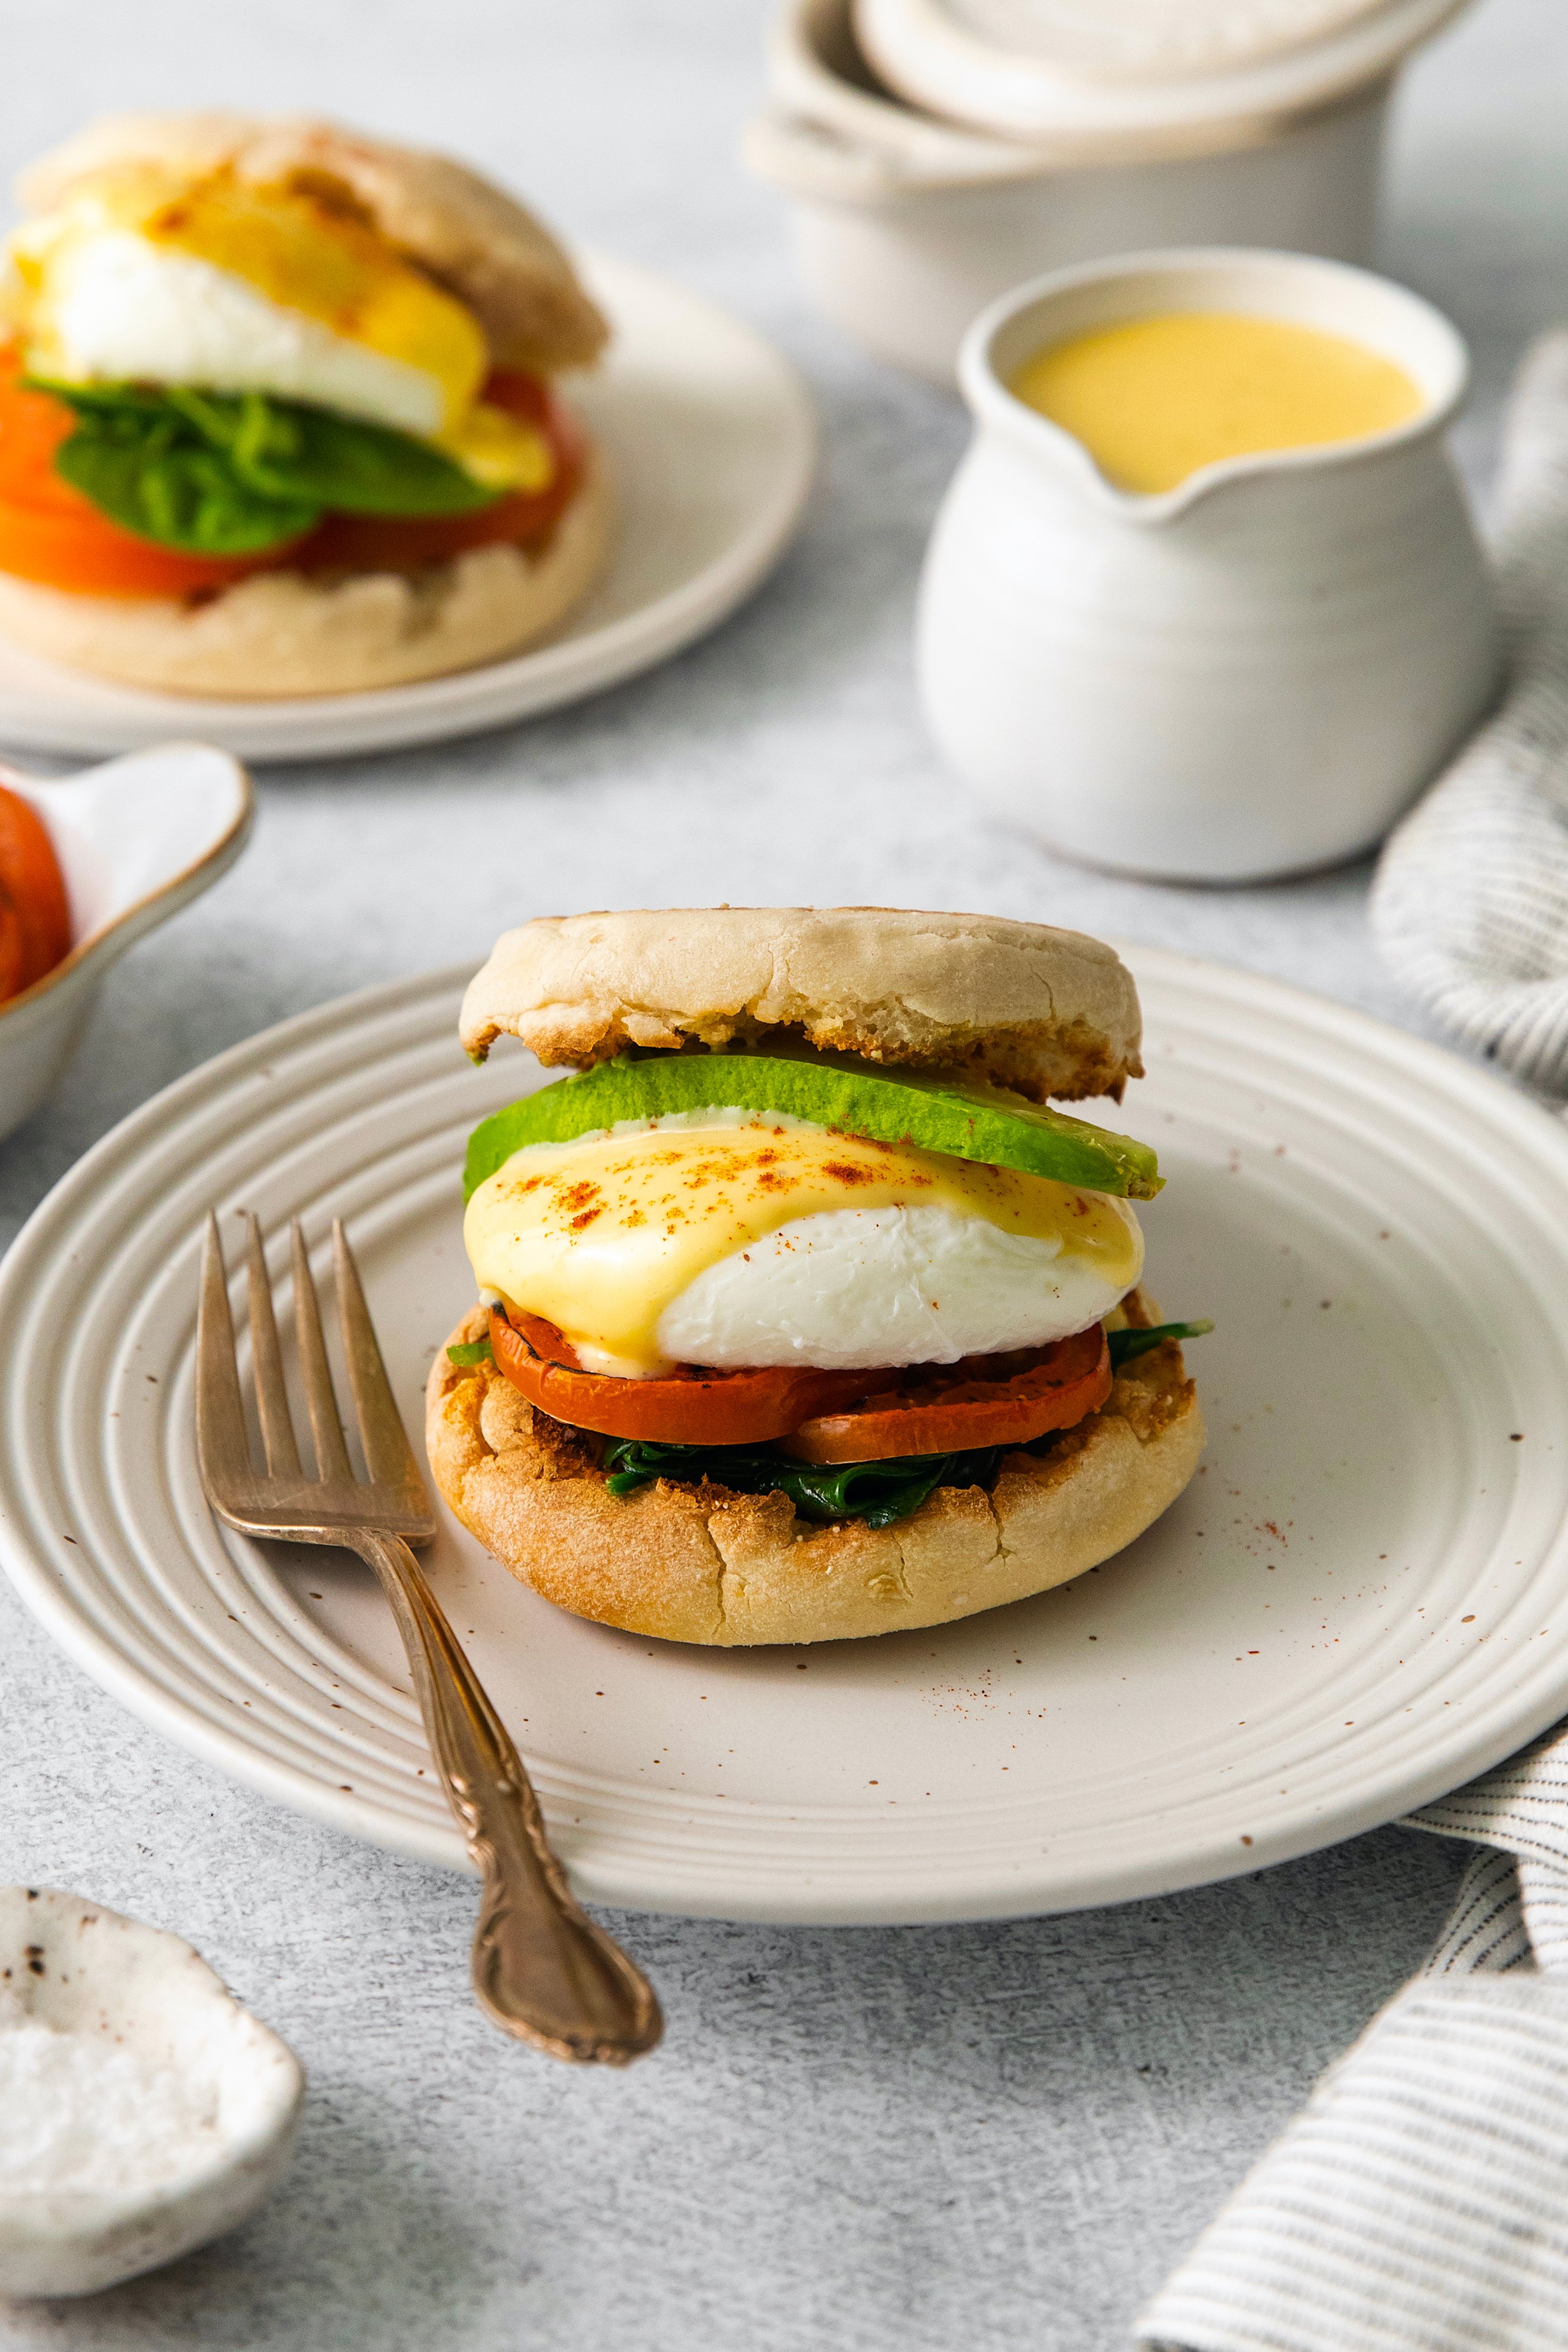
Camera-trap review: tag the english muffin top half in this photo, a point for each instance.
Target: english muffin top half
(1042, 1012)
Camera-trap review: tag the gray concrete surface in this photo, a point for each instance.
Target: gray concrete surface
(983, 2137)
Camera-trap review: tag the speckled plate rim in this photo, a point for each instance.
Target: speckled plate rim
(794, 1861)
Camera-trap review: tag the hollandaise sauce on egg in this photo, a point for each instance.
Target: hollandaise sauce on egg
(142, 277)
(750, 1242)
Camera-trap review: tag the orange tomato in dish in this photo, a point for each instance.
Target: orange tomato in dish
(50, 533)
(34, 917)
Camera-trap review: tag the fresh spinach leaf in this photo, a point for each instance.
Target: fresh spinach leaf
(235, 474)
(472, 1352)
(877, 1492)
(1125, 1345)
(286, 449)
(149, 471)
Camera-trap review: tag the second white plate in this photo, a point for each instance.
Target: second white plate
(712, 442)
(1362, 1600)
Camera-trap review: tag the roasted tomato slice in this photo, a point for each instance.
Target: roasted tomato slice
(50, 532)
(690, 1408)
(983, 1401)
(548, 1339)
(524, 519)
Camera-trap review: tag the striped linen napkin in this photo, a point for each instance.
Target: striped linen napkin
(1469, 908)
(1419, 2202)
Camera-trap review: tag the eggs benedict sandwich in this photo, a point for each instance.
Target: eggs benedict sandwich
(277, 411)
(804, 1314)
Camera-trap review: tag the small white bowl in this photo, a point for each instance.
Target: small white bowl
(137, 839)
(79, 1969)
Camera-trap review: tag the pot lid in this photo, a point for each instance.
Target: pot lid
(1043, 68)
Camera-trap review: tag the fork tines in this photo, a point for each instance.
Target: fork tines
(393, 1497)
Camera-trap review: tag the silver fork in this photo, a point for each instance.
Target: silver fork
(542, 1969)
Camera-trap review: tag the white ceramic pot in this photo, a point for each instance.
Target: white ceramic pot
(906, 227)
(1251, 674)
(1135, 71)
(137, 840)
(84, 1970)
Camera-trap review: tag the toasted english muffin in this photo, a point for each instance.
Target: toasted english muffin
(1022, 1005)
(701, 1563)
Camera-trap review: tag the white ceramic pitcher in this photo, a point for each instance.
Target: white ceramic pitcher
(1249, 675)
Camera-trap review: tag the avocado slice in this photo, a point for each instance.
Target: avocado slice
(939, 1114)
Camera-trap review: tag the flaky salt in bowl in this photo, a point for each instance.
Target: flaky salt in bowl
(143, 2111)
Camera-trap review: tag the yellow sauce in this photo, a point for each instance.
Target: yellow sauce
(1154, 399)
(301, 251)
(599, 1236)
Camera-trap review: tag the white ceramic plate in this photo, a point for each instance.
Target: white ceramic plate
(1362, 1600)
(712, 441)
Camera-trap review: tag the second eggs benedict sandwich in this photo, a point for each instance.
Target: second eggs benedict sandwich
(804, 1314)
(277, 411)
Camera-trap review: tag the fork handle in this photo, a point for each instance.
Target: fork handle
(542, 1969)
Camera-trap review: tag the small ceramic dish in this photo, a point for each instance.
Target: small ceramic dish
(94, 1978)
(137, 840)
(905, 226)
(1124, 71)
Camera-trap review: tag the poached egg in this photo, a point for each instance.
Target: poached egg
(143, 276)
(736, 1240)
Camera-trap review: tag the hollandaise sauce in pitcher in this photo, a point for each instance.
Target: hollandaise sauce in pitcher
(1154, 399)
(1203, 599)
